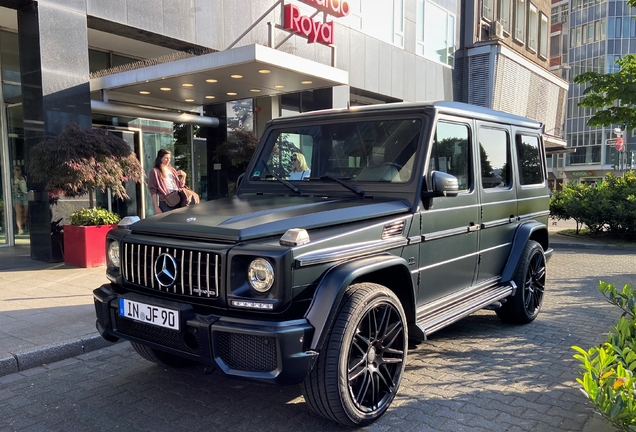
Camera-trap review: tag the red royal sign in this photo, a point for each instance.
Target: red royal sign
(315, 31)
(337, 8)
(619, 144)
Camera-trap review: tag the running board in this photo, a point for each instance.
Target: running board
(447, 310)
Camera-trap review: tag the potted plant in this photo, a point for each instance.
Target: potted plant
(85, 237)
(74, 164)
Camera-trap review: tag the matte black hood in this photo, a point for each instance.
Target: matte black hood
(249, 217)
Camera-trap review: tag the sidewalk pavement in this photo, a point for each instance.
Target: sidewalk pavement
(47, 312)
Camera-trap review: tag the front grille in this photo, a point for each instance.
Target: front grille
(247, 352)
(196, 273)
(159, 335)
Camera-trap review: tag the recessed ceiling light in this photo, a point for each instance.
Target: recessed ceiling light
(144, 92)
(231, 93)
(279, 86)
(306, 82)
(165, 88)
(264, 71)
(187, 85)
(210, 97)
(211, 80)
(255, 90)
(189, 100)
(236, 76)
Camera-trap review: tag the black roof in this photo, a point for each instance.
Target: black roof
(454, 108)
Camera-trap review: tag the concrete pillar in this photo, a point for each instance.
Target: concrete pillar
(55, 90)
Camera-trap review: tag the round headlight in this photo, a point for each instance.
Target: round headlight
(260, 275)
(113, 253)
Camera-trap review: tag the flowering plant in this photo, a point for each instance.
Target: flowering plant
(78, 161)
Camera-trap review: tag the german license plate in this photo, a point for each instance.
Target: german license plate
(149, 314)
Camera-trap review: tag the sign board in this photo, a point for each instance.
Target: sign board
(583, 173)
(314, 31)
(616, 142)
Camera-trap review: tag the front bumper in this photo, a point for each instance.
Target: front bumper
(273, 352)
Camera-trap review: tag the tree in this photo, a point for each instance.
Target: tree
(613, 95)
(78, 161)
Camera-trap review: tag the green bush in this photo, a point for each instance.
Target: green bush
(610, 206)
(608, 370)
(94, 216)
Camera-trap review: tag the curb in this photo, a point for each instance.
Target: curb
(34, 357)
(565, 245)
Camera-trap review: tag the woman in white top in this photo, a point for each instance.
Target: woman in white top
(20, 199)
(300, 169)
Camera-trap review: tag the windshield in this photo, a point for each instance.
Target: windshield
(362, 151)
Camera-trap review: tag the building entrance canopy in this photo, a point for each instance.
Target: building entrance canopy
(239, 73)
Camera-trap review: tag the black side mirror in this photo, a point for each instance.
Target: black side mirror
(239, 180)
(444, 184)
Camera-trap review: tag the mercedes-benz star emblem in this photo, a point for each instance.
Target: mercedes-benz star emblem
(165, 270)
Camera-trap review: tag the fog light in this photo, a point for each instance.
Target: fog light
(252, 305)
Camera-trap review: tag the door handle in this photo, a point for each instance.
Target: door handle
(472, 227)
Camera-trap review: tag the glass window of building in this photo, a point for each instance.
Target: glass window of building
(98, 60)
(555, 45)
(554, 15)
(533, 26)
(487, 10)
(543, 36)
(520, 20)
(504, 7)
(382, 19)
(435, 33)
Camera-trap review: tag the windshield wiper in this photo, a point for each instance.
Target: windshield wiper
(280, 179)
(348, 185)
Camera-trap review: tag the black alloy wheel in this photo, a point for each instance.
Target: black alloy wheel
(358, 373)
(534, 284)
(524, 306)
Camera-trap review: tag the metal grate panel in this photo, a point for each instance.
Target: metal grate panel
(393, 229)
(247, 352)
(197, 272)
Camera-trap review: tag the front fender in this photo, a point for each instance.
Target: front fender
(324, 306)
(523, 234)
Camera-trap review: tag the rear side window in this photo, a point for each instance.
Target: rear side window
(529, 160)
(494, 159)
(451, 152)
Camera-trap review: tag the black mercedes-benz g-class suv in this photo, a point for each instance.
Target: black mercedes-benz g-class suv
(404, 219)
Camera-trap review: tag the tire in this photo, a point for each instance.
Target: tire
(524, 306)
(344, 386)
(161, 358)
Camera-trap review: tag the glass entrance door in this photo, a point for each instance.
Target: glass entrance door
(132, 206)
(15, 219)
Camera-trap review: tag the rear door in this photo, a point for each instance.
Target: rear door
(498, 195)
(532, 190)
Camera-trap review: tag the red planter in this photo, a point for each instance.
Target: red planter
(85, 246)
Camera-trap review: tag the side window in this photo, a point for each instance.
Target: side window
(529, 160)
(451, 152)
(494, 158)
